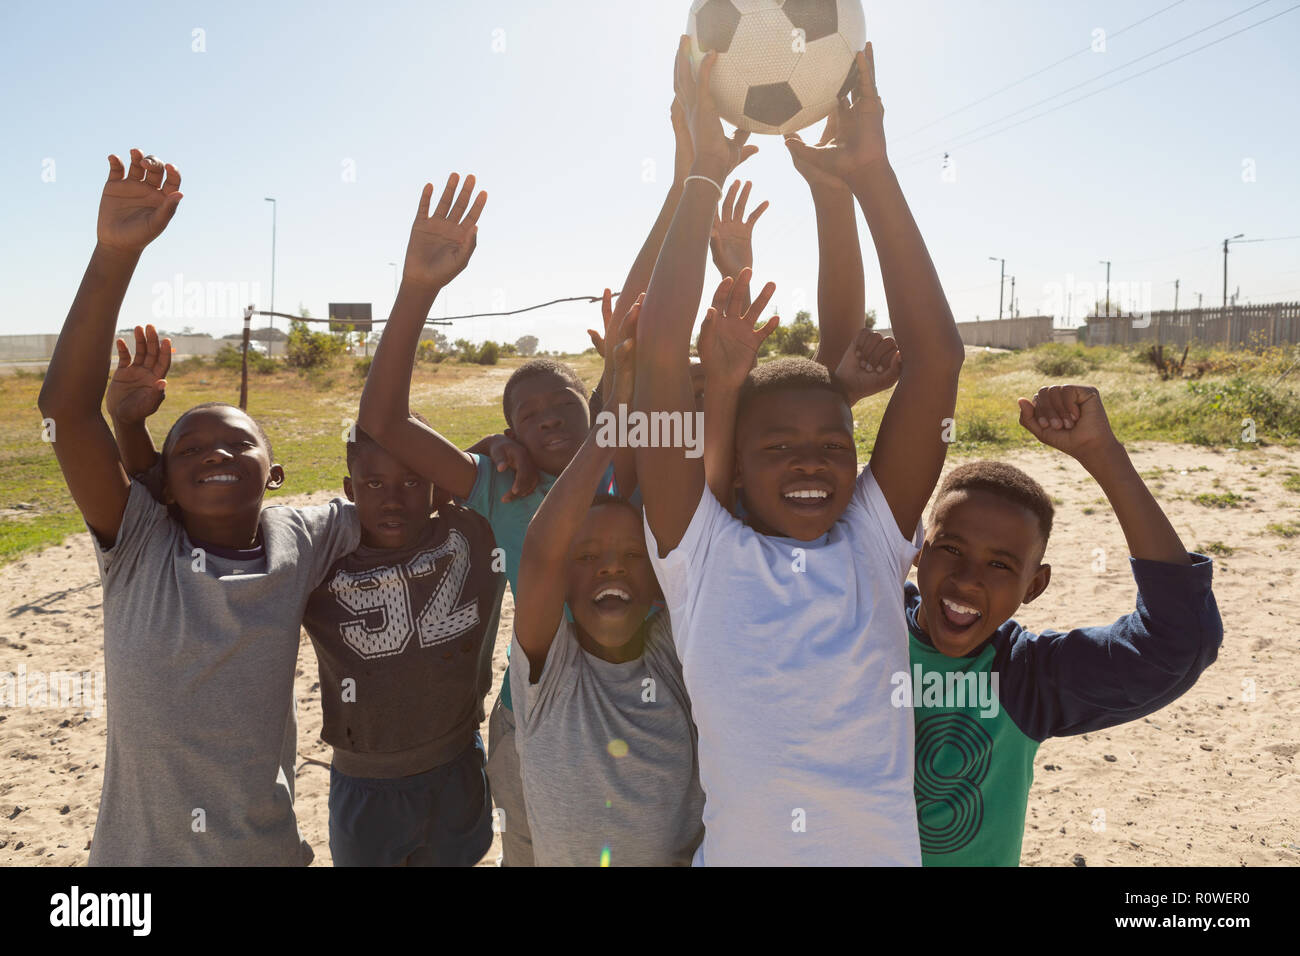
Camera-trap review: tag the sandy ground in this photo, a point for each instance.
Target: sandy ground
(1209, 780)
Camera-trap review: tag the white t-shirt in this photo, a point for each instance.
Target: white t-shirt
(787, 648)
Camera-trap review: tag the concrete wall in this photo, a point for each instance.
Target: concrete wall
(26, 348)
(39, 348)
(1022, 333)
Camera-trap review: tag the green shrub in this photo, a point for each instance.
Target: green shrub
(488, 353)
(1062, 361)
(309, 350)
(361, 368)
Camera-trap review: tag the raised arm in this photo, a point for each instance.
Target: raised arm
(544, 563)
(439, 249)
(1071, 419)
(909, 451)
(729, 345)
(137, 204)
(841, 284)
(664, 333)
(638, 277)
(137, 389)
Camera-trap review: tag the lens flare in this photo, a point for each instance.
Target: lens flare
(604, 856)
(617, 748)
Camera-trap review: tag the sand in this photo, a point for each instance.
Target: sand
(1210, 780)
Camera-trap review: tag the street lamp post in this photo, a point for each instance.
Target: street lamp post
(270, 341)
(1107, 264)
(1002, 286)
(1226, 243)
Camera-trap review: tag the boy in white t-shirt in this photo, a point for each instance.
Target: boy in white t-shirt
(788, 627)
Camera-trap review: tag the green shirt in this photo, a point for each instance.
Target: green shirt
(974, 766)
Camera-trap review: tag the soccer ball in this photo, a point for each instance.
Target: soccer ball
(782, 64)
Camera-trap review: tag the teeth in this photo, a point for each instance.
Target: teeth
(817, 495)
(613, 592)
(959, 608)
(219, 478)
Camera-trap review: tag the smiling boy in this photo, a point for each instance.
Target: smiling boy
(783, 625)
(982, 559)
(404, 629)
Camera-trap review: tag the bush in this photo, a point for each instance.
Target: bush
(231, 358)
(308, 350)
(795, 339)
(361, 368)
(488, 353)
(466, 350)
(1062, 361)
(1274, 410)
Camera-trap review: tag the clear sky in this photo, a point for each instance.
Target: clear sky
(341, 111)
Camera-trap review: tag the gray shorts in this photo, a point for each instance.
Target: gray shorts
(508, 788)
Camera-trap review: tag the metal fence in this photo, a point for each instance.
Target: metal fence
(1243, 326)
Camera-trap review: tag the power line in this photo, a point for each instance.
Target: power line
(1274, 239)
(916, 157)
(1030, 76)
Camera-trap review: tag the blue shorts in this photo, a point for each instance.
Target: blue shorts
(442, 817)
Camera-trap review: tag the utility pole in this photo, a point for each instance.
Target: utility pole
(1013, 297)
(1200, 298)
(1226, 242)
(1177, 283)
(1107, 263)
(1002, 286)
(270, 342)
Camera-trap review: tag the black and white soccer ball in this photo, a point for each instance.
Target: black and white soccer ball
(782, 64)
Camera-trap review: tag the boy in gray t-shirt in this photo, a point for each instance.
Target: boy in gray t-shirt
(203, 589)
(603, 722)
(200, 646)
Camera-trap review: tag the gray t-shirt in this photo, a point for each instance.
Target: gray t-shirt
(608, 755)
(199, 653)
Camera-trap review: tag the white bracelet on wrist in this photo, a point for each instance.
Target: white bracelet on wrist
(704, 179)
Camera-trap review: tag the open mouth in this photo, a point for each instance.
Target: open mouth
(223, 478)
(806, 498)
(959, 617)
(556, 442)
(392, 524)
(612, 599)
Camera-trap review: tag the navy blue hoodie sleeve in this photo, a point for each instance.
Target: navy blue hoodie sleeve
(1056, 684)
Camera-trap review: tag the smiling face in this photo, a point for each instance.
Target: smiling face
(393, 503)
(217, 464)
(796, 461)
(550, 418)
(982, 559)
(611, 583)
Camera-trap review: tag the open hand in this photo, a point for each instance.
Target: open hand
(137, 203)
(732, 239)
(729, 342)
(608, 323)
(622, 355)
(871, 364)
(819, 179)
(716, 154)
(1069, 418)
(139, 385)
(860, 135)
(506, 453)
(441, 245)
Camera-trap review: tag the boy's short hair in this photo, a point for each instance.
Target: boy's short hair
(1008, 483)
(360, 439)
(784, 375)
(617, 501)
(532, 369)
